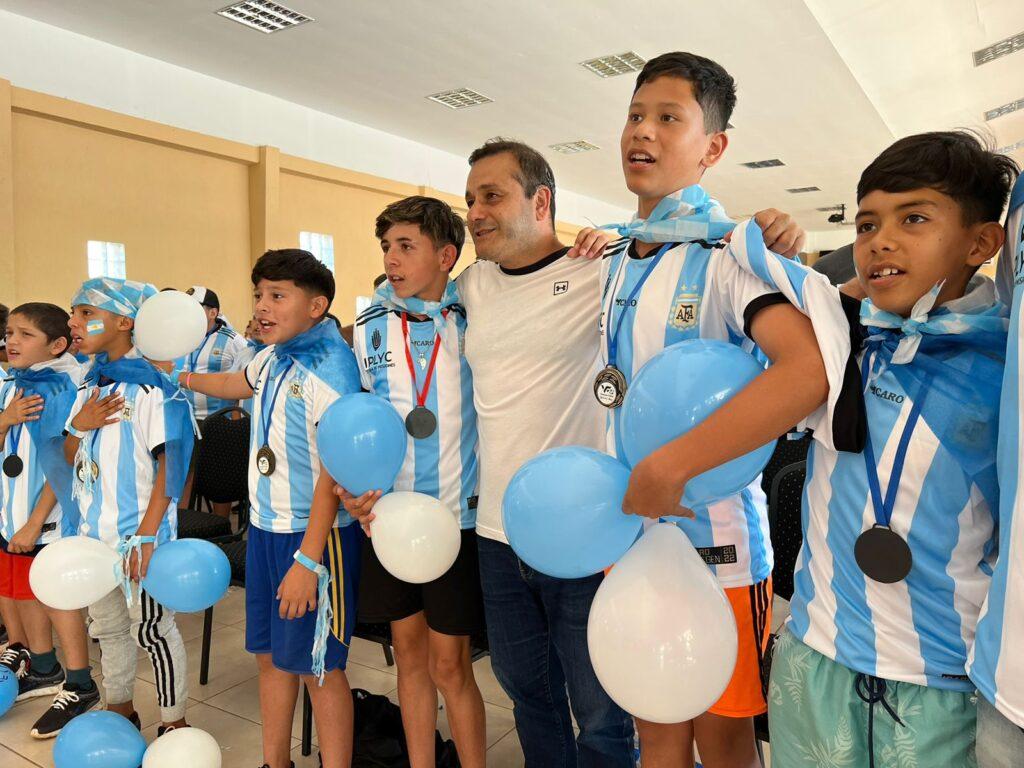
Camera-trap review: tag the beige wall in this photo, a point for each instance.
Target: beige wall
(190, 208)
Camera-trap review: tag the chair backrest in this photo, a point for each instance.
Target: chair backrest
(222, 465)
(785, 524)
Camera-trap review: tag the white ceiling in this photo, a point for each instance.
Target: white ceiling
(824, 85)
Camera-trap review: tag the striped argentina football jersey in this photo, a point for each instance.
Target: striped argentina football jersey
(281, 501)
(997, 664)
(917, 630)
(126, 453)
(443, 465)
(19, 495)
(221, 351)
(694, 292)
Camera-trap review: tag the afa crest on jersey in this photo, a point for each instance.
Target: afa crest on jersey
(685, 309)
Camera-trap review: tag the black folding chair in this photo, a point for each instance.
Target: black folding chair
(221, 476)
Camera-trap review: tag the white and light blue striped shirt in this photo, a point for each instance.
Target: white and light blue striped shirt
(694, 292)
(997, 664)
(221, 351)
(126, 453)
(918, 630)
(281, 501)
(19, 495)
(443, 465)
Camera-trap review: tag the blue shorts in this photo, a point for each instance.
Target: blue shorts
(290, 641)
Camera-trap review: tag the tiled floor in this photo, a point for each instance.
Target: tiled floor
(228, 706)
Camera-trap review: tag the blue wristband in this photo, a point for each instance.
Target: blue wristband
(309, 564)
(324, 613)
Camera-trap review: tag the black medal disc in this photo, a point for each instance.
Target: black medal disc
(88, 471)
(421, 422)
(266, 461)
(13, 466)
(883, 555)
(610, 387)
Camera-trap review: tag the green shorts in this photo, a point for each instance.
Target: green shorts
(816, 717)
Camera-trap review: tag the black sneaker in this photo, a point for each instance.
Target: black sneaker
(32, 684)
(68, 704)
(162, 729)
(16, 659)
(267, 766)
(134, 720)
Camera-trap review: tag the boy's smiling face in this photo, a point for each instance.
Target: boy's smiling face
(909, 241)
(284, 310)
(28, 345)
(664, 144)
(413, 264)
(93, 330)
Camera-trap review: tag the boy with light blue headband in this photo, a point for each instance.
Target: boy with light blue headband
(129, 440)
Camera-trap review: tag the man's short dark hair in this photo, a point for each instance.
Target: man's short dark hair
(713, 87)
(534, 170)
(48, 318)
(955, 163)
(435, 219)
(4, 312)
(379, 279)
(301, 267)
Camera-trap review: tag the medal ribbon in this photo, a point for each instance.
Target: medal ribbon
(421, 396)
(613, 339)
(883, 509)
(267, 414)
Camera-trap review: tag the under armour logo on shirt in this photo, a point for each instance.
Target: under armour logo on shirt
(561, 287)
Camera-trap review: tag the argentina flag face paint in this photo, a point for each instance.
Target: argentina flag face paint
(95, 327)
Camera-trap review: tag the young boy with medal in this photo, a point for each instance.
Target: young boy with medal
(36, 509)
(667, 281)
(302, 560)
(409, 345)
(900, 538)
(129, 440)
(996, 664)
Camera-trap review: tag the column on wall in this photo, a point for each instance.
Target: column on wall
(7, 267)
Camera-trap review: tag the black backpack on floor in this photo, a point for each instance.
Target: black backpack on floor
(380, 740)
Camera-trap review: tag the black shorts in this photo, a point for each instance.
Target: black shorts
(453, 604)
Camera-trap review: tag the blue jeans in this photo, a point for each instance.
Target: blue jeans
(537, 629)
(1000, 742)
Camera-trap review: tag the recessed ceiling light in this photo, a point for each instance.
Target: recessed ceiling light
(1006, 109)
(1011, 148)
(459, 98)
(1000, 49)
(264, 16)
(574, 147)
(615, 64)
(773, 163)
(830, 208)
(801, 190)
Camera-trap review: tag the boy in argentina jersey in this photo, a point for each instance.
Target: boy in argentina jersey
(409, 345)
(997, 666)
(301, 553)
(671, 281)
(36, 509)
(899, 539)
(221, 350)
(129, 441)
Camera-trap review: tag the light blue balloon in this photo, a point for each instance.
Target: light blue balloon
(99, 740)
(676, 390)
(563, 512)
(361, 440)
(187, 575)
(8, 689)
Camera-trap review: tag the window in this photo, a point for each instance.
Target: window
(321, 246)
(106, 259)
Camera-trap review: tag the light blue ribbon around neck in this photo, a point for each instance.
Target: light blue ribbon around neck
(682, 217)
(385, 296)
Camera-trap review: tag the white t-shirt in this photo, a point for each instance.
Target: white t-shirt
(532, 344)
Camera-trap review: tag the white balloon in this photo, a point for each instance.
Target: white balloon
(416, 538)
(661, 633)
(169, 325)
(73, 572)
(183, 748)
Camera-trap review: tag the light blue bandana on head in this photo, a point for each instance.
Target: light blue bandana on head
(121, 297)
(682, 217)
(385, 296)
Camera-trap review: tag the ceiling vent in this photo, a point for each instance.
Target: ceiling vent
(1000, 49)
(1006, 109)
(574, 147)
(459, 98)
(801, 190)
(615, 64)
(264, 16)
(773, 163)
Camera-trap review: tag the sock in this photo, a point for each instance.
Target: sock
(80, 679)
(44, 663)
